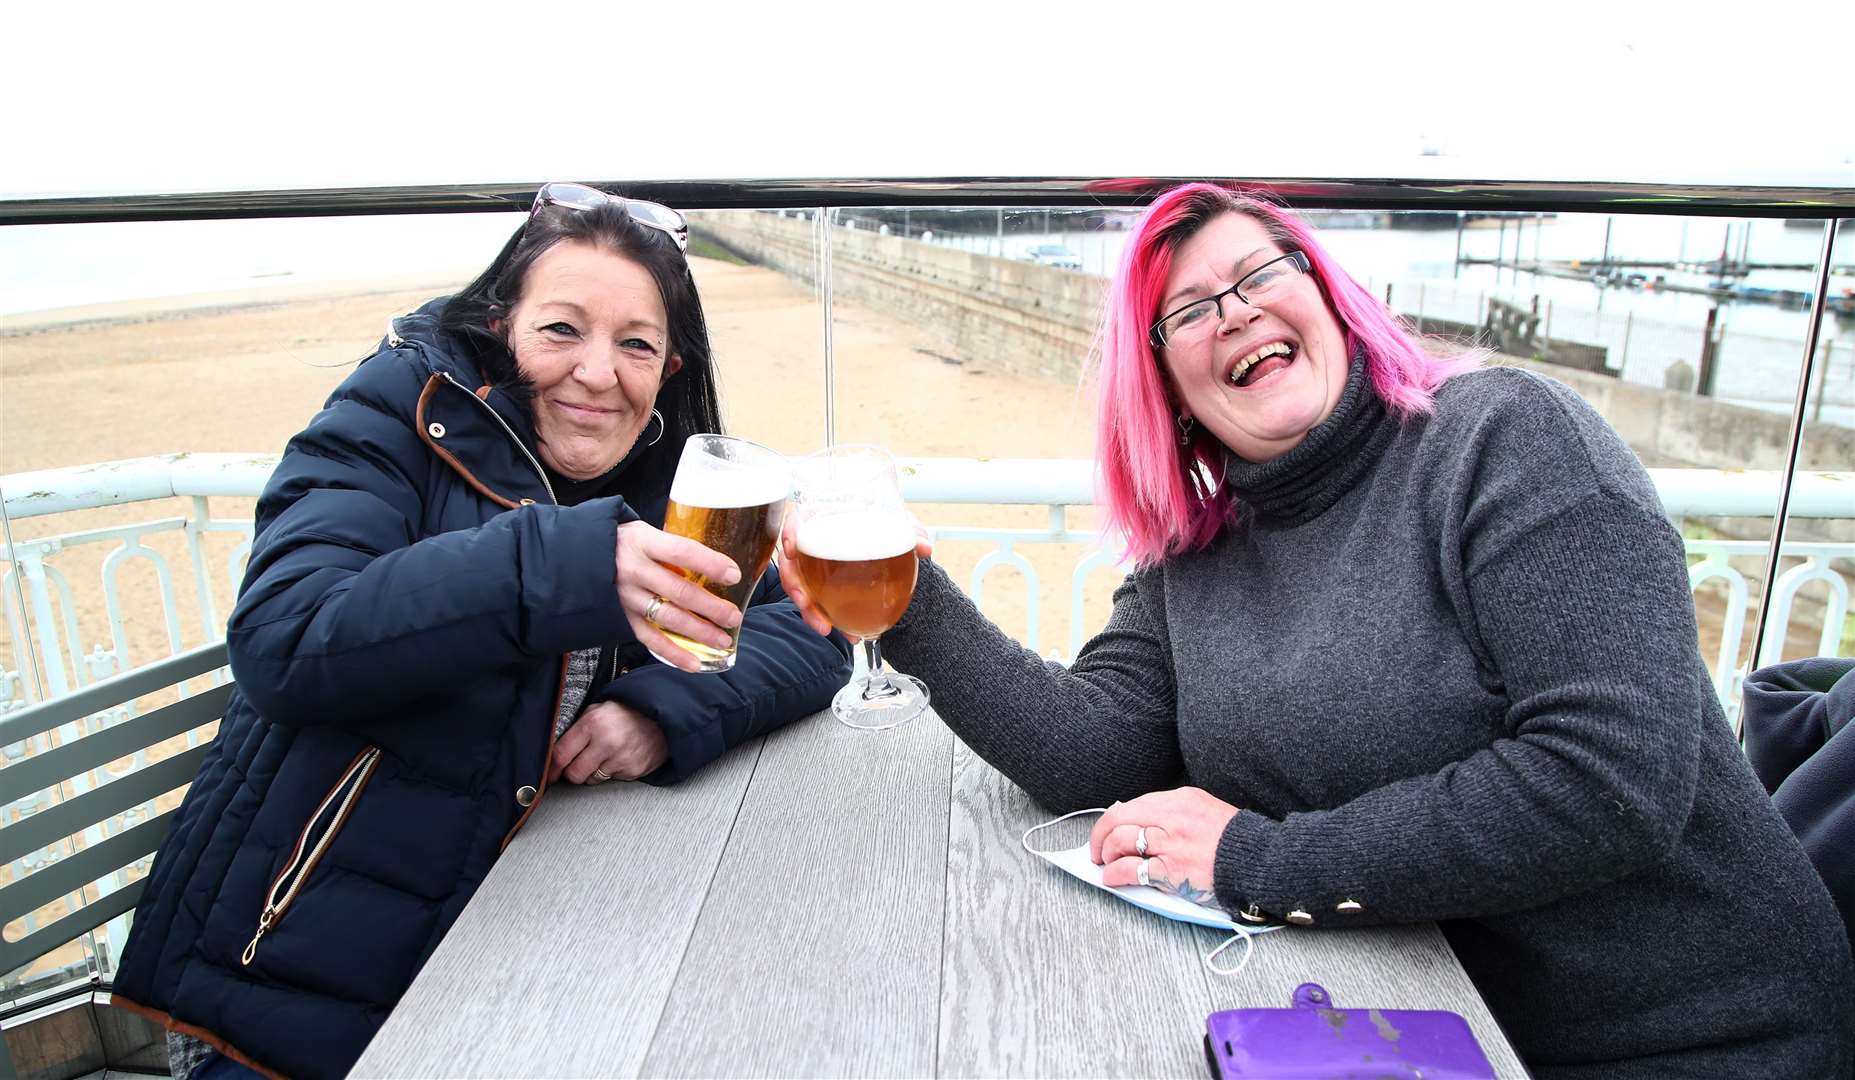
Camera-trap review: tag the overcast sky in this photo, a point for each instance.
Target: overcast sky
(180, 97)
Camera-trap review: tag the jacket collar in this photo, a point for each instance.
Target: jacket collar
(484, 433)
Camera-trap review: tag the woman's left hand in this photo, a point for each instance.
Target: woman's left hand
(1182, 826)
(609, 742)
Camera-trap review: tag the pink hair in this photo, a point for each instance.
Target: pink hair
(1160, 496)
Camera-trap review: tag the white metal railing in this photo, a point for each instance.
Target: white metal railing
(69, 660)
(40, 605)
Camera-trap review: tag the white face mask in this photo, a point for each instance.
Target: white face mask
(1076, 862)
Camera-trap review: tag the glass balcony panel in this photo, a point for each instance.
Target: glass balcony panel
(188, 353)
(1810, 612)
(965, 333)
(1685, 333)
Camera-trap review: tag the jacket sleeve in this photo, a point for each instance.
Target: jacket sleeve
(1792, 710)
(1582, 617)
(347, 610)
(784, 671)
(1103, 729)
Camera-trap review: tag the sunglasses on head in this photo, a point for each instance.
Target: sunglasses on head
(581, 197)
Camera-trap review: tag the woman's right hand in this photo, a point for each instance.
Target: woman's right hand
(795, 585)
(644, 557)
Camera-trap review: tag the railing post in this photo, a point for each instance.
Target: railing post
(31, 562)
(196, 549)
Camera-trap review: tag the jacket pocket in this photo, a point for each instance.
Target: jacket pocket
(329, 817)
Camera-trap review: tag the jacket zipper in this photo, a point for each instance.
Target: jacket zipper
(308, 852)
(494, 415)
(541, 788)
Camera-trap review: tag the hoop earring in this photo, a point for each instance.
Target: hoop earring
(661, 427)
(1185, 429)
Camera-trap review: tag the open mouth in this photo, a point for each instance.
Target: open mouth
(1259, 365)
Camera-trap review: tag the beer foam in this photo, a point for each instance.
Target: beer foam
(724, 490)
(856, 536)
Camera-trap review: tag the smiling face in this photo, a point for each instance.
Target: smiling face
(1267, 373)
(590, 333)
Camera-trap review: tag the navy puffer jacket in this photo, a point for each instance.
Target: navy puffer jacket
(400, 646)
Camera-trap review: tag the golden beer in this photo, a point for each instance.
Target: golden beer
(854, 548)
(859, 568)
(733, 508)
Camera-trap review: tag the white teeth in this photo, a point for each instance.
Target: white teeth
(1274, 348)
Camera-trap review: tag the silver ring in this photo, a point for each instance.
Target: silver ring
(600, 776)
(650, 610)
(1140, 842)
(1144, 880)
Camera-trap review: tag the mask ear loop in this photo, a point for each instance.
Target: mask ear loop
(1026, 841)
(1210, 960)
(1249, 949)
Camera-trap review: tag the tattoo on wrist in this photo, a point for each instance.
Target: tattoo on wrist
(1185, 890)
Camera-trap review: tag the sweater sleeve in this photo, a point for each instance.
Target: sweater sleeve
(1101, 730)
(1583, 617)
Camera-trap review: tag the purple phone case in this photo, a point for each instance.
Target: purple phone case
(1317, 1039)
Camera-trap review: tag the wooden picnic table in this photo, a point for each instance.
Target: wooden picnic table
(829, 902)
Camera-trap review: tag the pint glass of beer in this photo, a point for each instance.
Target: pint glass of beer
(729, 495)
(854, 548)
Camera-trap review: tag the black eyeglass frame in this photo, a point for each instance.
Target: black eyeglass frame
(1158, 339)
(583, 197)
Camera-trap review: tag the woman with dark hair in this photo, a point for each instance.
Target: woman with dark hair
(455, 592)
(1405, 642)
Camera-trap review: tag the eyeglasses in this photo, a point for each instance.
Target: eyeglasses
(1196, 319)
(581, 197)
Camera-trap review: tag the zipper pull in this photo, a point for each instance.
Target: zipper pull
(264, 923)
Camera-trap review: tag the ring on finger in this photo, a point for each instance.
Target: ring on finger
(600, 776)
(1141, 873)
(650, 610)
(1140, 842)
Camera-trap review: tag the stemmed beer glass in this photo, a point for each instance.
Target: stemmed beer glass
(854, 548)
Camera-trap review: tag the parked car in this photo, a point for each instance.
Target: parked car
(1054, 255)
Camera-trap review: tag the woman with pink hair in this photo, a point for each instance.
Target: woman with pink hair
(1406, 640)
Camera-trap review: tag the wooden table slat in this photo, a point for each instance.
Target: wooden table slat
(818, 952)
(561, 963)
(1044, 975)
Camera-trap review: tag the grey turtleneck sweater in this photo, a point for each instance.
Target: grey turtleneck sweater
(1448, 670)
